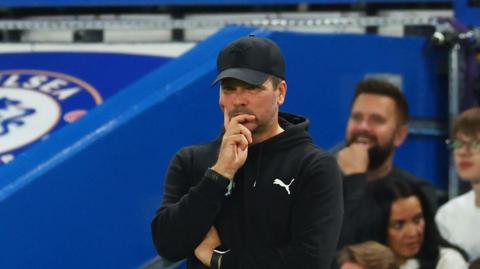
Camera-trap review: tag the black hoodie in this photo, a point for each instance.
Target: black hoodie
(285, 210)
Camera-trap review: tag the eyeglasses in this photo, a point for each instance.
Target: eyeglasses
(456, 144)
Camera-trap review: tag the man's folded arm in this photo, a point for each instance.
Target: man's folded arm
(186, 213)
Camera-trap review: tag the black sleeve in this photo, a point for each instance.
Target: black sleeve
(186, 213)
(315, 226)
(354, 188)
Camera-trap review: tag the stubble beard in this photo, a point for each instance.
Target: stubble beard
(267, 124)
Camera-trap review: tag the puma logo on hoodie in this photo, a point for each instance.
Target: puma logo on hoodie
(281, 184)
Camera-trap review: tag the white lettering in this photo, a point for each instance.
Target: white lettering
(53, 85)
(11, 81)
(65, 93)
(34, 82)
(42, 83)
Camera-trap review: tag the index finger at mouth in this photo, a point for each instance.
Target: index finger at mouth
(244, 118)
(246, 132)
(226, 118)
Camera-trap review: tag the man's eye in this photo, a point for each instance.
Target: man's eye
(356, 117)
(378, 120)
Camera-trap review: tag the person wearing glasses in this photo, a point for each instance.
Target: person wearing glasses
(459, 219)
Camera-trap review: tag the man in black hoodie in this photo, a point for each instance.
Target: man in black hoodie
(262, 195)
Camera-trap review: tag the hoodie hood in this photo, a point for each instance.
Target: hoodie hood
(295, 133)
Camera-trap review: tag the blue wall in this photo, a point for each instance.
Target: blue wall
(322, 71)
(84, 197)
(466, 13)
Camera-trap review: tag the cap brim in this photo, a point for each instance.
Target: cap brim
(249, 76)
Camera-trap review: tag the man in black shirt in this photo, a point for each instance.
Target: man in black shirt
(378, 124)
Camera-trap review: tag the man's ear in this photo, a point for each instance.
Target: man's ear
(282, 92)
(401, 135)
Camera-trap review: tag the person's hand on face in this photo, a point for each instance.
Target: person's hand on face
(234, 148)
(353, 159)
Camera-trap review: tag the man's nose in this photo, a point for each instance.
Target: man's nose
(363, 125)
(239, 97)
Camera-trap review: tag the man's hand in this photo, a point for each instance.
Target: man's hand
(353, 159)
(204, 251)
(234, 148)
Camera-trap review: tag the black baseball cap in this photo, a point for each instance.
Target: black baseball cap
(250, 59)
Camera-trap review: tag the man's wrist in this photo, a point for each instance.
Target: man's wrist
(348, 172)
(223, 172)
(217, 177)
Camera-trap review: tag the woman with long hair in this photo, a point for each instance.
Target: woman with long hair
(405, 219)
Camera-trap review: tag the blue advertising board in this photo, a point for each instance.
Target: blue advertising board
(43, 91)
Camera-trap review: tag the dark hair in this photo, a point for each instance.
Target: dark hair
(385, 193)
(468, 123)
(369, 254)
(475, 264)
(382, 87)
(275, 81)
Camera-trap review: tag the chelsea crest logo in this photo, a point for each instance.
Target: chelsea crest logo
(34, 102)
